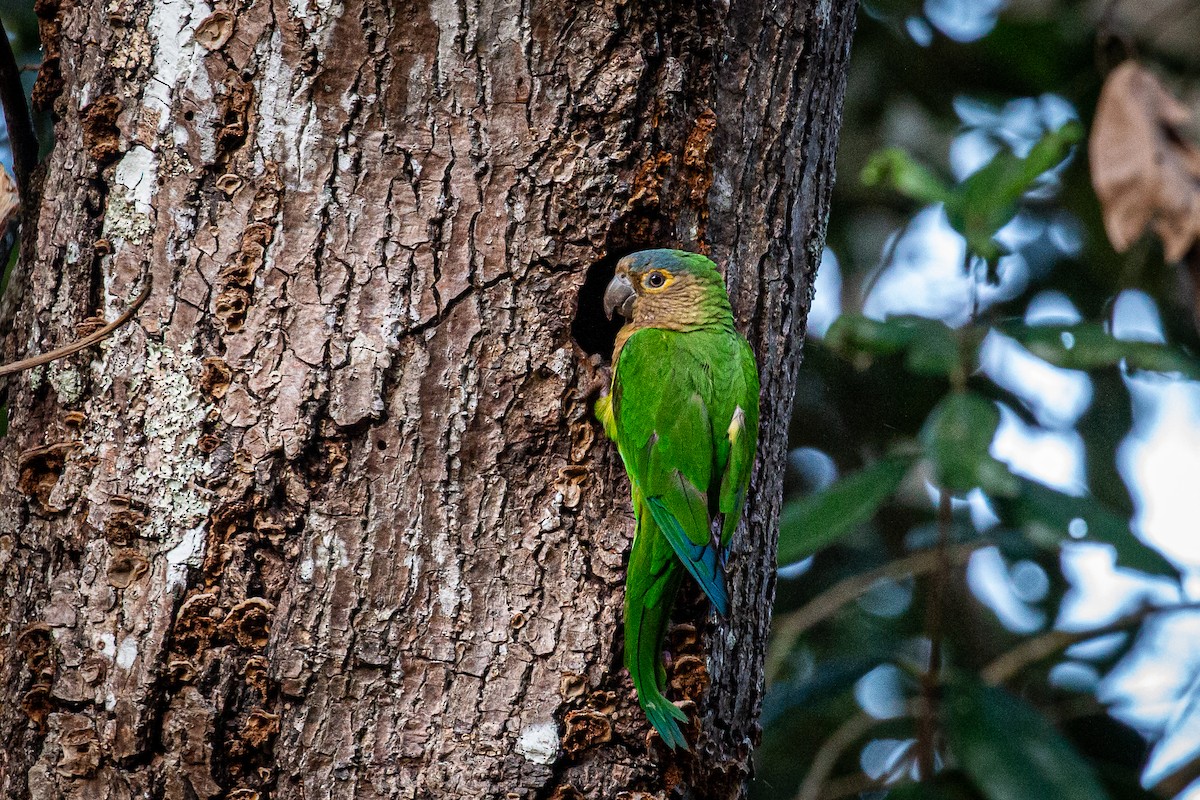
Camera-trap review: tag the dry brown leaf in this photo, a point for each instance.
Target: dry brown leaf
(1144, 170)
(10, 201)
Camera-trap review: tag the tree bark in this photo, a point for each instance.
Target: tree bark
(332, 517)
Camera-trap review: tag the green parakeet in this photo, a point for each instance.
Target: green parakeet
(683, 410)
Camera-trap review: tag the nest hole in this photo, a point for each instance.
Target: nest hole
(592, 330)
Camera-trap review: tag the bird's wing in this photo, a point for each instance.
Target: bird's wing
(742, 433)
(665, 434)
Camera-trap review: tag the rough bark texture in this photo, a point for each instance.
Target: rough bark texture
(332, 518)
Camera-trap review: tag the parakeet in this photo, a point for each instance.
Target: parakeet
(683, 410)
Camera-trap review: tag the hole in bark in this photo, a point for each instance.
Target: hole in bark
(592, 330)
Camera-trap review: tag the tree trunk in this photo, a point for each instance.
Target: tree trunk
(332, 517)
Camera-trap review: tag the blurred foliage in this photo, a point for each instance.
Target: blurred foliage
(892, 410)
(22, 26)
(987, 200)
(820, 519)
(1009, 750)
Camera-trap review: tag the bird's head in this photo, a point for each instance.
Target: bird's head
(667, 288)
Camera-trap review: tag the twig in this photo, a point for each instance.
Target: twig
(1177, 780)
(80, 344)
(1106, 17)
(1039, 648)
(931, 678)
(884, 263)
(791, 626)
(817, 786)
(831, 750)
(853, 786)
(16, 116)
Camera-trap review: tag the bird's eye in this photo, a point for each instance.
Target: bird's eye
(656, 280)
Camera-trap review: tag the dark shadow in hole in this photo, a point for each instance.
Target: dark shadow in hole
(591, 329)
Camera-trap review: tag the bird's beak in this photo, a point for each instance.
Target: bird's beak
(619, 297)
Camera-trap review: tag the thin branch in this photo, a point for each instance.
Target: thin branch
(1106, 30)
(831, 750)
(969, 264)
(1039, 648)
(816, 784)
(1178, 779)
(789, 627)
(854, 785)
(931, 678)
(884, 263)
(80, 344)
(1105, 24)
(16, 116)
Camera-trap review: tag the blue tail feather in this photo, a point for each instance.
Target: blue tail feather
(701, 560)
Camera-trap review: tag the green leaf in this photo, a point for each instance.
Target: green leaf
(895, 169)
(1047, 516)
(958, 438)
(1010, 751)
(934, 351)
(820, 519)
(930, 346)
(989, 198)
(1088, 346)
(836, 674)
(855, 333)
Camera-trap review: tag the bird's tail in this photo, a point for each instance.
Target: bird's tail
(649, 594)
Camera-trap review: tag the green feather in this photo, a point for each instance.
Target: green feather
(648, 602)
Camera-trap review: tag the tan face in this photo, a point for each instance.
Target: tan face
(648, 295)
